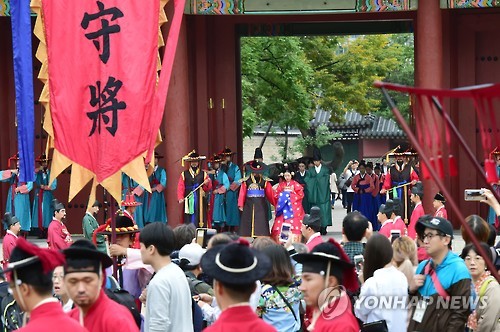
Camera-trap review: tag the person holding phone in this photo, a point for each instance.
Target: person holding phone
(288, 197)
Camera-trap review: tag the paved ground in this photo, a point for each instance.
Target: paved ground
(334, 231)
(339, 213)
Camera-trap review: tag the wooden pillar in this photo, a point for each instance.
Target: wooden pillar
(176, 126)
(429, 66)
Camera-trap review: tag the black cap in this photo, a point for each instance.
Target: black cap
(388, 207)
(9, 219)
(437, 223)
(96, 204)
(57, 205)
(258, 154)
(330, 253)
(83, 254)
(313, 219)
(418, 189)
(439, 197)
(316, 154)
(235, 263)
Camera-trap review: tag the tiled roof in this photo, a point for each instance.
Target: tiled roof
(357, 126)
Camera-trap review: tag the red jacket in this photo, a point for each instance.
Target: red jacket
(314, 242)
(49, 317)
(400, 225)
(9, 242)
(341, 321)
(241, 319)
(386, 228)
(105, 315)
(418, 212)
(58, 236)
(441, 212)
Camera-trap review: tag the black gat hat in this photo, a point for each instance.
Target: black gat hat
(235, 263)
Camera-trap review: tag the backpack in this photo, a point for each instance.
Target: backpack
(124, 298)
(12, 315)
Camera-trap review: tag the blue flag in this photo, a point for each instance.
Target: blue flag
(23, 76)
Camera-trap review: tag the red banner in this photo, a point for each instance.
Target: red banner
(102, 60)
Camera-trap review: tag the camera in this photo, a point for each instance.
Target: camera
(474, 194)
(395, 233)
(358, 262)
(203, 235)
(285, 232)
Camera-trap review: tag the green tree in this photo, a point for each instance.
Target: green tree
(285, 79)
(276, 80)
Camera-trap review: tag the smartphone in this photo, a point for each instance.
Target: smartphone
(358, 262)
(395, 233)
(285, 232)
(203, 235)
(473, 194)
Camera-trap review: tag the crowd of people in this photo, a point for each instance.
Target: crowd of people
(397, 273)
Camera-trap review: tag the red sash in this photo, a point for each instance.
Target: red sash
(435, 280)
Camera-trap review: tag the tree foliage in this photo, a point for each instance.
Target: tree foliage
(285, 79)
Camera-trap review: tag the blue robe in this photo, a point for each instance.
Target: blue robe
(154, 209)
(363, 202)
(20, 205)
(42, 178)
(127, 185)
(219, 179)
(232, 211)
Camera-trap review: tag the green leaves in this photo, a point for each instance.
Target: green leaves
(284, 79)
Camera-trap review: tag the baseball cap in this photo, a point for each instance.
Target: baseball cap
(437, 223)
(192, 252)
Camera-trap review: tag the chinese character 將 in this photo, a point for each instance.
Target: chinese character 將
(105, 31)
(105, 100)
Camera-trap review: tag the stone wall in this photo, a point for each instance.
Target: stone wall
(270, 150)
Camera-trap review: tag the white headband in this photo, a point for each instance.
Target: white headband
(232, 270)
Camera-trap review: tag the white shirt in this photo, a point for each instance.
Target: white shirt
(384, 297)
(11, 233)
(317, 168)
(168, 302)
(350, 173)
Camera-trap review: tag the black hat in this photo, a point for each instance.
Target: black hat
(439, 197)
(304, 160)
(255, 166)
(192, 156)
(9, 219)
(316, 154)
(386, 208)
(377, 166)
(96, 204)
(57, 205)
(313, 219)
(33, 265)
(369, 165)
(84, 250)
(330, 256)
(418, 189)
(124, 225)
(286, 168)
(258, 154)
(437, 223)
(227, 152)
(362, 163)
(235, 263)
